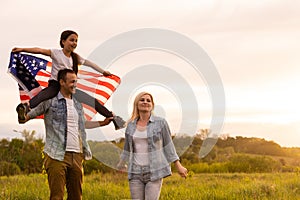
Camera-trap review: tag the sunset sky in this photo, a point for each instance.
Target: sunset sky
(254, 46)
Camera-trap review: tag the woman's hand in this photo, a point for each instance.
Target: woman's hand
(121, 166)
(182, 171)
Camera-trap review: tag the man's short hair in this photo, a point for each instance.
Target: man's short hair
(62, 74)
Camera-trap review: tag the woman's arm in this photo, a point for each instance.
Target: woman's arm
(34, 50)
(124, 158)
(121, 166)
(182, 171)
(96, 67)
(168, 145)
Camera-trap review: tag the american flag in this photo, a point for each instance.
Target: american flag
(32, 74)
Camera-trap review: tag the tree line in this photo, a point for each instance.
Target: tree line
(229, 154)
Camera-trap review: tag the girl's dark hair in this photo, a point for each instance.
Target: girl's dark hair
(64, 35)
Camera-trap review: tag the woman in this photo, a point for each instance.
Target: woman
(149, 150)
(61, 59)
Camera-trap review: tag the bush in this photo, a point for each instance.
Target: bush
(8, 169)
(248, 164)
(94, 166)
(289, 169)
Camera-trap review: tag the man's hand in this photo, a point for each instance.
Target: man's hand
(106, 121)
(95, 124)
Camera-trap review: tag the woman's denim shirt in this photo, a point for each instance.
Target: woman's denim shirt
(160, 147)
(55, 119)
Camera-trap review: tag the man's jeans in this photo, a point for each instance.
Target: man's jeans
(67, 173)
(142, 188)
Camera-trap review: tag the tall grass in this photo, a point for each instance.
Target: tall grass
(33, 187)
(233, 186)
(280, 186)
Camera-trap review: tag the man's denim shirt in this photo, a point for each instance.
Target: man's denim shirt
(160, 147)
(55, 119)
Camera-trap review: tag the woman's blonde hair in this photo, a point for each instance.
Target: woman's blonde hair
(135, 112)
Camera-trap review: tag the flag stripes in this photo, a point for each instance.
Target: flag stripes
(32, 74)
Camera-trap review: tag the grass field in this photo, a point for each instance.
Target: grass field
(285, 186)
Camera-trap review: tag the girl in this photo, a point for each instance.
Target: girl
(65, 58)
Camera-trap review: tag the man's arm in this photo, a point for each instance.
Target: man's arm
(95, 124)
(37, 111)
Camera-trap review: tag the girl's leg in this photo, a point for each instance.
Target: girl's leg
(47, 93)
(83, 97)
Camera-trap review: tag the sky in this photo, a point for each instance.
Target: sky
(254, 46)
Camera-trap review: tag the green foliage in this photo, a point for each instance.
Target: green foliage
(94, 166)
(252, 146)
(248, 164)
(26, 154)
(8, 169)
(264, 156)
(238, 154)
(208, 168)
(106, 152)
(288, 169)
(182, 143)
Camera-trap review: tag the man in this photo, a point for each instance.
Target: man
(66, 145)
